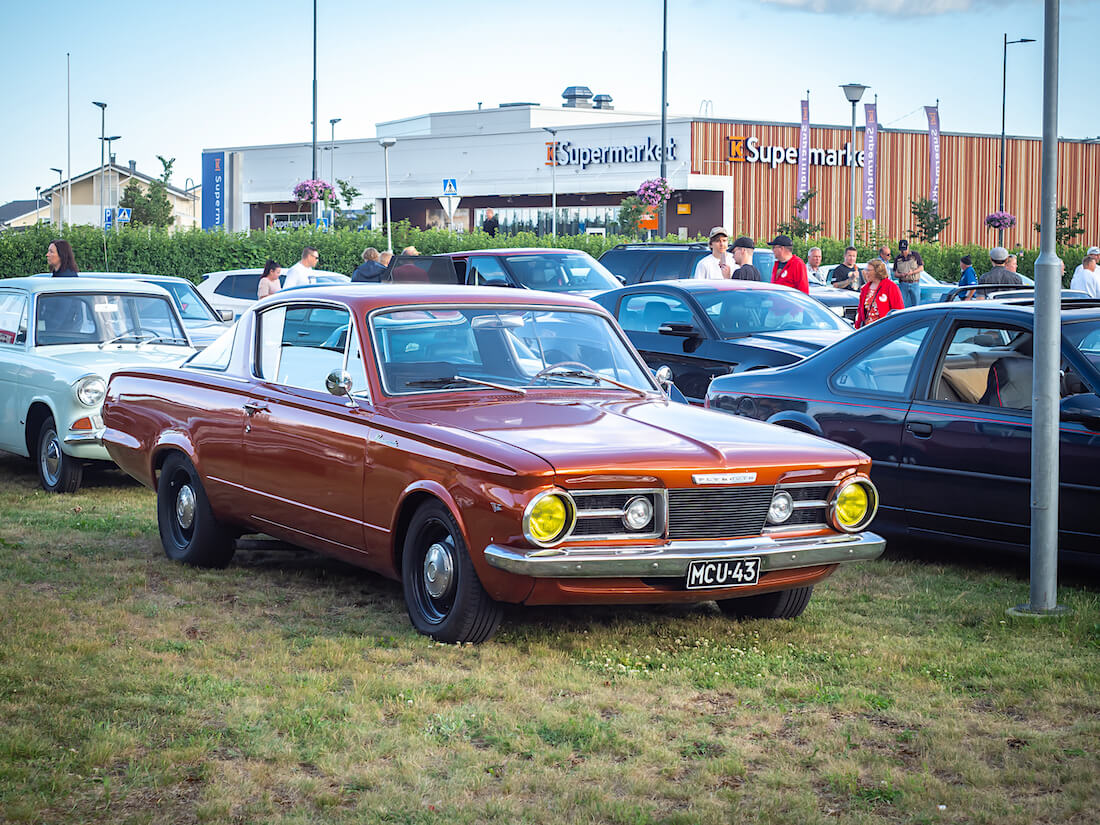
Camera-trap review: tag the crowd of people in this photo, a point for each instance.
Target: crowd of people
(885, 283)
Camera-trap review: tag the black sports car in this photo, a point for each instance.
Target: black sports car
(940, 397)
(700, 329)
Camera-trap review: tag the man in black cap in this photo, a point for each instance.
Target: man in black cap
(742, 256)
(908, 265)
(788, 269)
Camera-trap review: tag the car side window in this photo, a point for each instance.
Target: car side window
(486, 271)
(887, 367)
(669, 266)
(646, 312)
(13, 318)
(988, 365)
(297, 349)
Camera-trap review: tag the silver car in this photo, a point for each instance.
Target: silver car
(61, 339)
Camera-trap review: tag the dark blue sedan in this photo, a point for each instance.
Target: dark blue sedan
(703, 328)
(940, 397)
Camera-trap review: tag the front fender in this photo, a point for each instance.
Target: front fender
(797, 421)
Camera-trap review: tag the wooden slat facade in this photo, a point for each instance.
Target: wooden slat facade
(969, 182)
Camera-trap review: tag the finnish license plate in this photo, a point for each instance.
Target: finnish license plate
(712, 573)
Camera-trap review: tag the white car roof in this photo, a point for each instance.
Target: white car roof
(36, 285)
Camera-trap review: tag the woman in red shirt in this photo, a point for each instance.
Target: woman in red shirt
(879, 295)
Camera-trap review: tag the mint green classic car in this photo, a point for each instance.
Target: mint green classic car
(61, 339)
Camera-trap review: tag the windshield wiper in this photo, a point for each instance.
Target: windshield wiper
(172, 338)
(575, 373)
(445, 382)
(131, 333)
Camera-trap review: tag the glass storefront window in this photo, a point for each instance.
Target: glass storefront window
(572, 220)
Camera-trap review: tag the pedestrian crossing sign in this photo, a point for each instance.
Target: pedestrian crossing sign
(450, 186)
(123, 214)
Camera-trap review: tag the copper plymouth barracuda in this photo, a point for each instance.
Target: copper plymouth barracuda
(482, 446)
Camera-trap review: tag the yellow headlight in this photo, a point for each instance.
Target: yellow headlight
(852, 505)
(548, 518)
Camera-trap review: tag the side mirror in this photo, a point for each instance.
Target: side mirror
(1082, 409)
(679, 330)
(338, 383)
(663, 374)
(225, 314)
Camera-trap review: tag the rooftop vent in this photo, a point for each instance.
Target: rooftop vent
(577, 97)
(602, 102)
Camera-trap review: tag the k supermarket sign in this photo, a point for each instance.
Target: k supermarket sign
(749, 150)
(213, 190)
(584, 156)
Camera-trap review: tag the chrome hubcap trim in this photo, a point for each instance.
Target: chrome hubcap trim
(438, 570)
(51, 458)
(185, 507)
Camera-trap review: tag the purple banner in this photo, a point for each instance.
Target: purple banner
(933, 113)
(804, 158)
(870, 156)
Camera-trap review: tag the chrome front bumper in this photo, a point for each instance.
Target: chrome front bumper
(671, 560)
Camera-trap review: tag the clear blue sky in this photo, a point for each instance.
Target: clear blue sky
(178, 78)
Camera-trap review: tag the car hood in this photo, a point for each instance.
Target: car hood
(640, 436)
(797, 342)
(831, 296)
(107, 361)
(204, 333)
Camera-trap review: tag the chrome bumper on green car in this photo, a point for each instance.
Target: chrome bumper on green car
(671, 560)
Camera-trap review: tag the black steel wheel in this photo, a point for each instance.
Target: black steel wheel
(443, 595)
(188, 529)
(784, 604)
(58, 472)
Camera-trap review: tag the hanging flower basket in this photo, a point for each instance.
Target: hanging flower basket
(655, 192)
(312, 191)
(1000, 220)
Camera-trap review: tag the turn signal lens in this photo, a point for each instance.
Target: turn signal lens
(781, 508)
(548, 518)
(852, 505)
(638, 513)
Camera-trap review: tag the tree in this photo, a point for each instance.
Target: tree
(149, 206)
(929, 223)
(1065, 230)
(796, 227)
(167, 167)
(631, 212)
(348, 194)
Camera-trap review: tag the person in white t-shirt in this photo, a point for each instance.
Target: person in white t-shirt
(298, 275)
(1087, 278)
(719, 264)
(1092, 250)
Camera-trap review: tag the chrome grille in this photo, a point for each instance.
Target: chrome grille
(599, 514)
(721, 513)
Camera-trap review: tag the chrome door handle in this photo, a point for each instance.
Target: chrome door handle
(253, 407)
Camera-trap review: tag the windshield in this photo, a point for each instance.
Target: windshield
(191, 306)
(738, 312)
(1085, 336)
(73, 318)
(573, 272)
(425, 350)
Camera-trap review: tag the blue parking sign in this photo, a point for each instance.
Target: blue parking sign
(108, 218)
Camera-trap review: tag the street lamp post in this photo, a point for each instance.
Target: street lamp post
(102, 147)
(1004, 77)
(853, 91)
(553, 180)
(37, 203)
(386, 144)
(191, 192)
(332, 121)
(60, 203)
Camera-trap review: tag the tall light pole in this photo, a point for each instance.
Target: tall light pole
(853, 91)
(662, 217)
(190, 190)
(386, 144)
(553, 180)
(1004, 77)
(37, 202)
(102, 147)
(313, 151)
(60, 203)
(332, 121)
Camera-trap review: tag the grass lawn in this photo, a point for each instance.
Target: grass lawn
(292, 689)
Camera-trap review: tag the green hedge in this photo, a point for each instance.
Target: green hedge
(193, 253)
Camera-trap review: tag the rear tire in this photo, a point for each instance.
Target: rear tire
(57, 472)
(785, 604)
(189, 531)
(443, 594)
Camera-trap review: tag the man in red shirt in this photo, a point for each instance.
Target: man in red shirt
(788, 269)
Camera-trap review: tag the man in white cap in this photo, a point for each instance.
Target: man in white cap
(1092, 250)
(999, 274)
(718, 265)
(1087, 278)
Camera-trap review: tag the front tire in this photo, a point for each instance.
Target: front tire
(443, 595)
(189, 531)
(785, 604)
(58, 472)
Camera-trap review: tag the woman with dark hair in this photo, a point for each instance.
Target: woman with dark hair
(269, 281)
(60, 260)
(879, 295)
